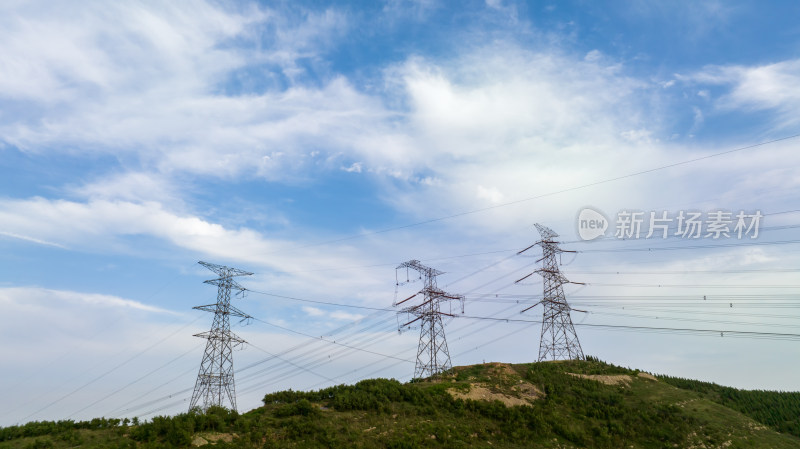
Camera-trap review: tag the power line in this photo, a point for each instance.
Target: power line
(116, 367)
(320, 360)
(734, 286)
(484, 253)
(312, 354)
(693, 320)
(328, 341)
(292, 363)
(171, 395)
(668, 272)
(338, 304)
(309, 348)
(774, 335)
(694, 312)
(314, 301)
(454, 331)
(672, 248)
(133, 382)
(120, 411)
(544, 195)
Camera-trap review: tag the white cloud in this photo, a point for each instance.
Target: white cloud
(593, 56)
(131, 186)
(112, 227)
(60, 53)
(32, 295)
(773, 87)
(354, 168)
(31, 239)
(413, 9)
(502, 101)
(153, 88)
(525, 122)
(313, 311)
(637, 135)
(696, 19)
(699, 118)
(99, 222)
(509, 10)
(464, 122)
(522, 122)
(345, 316)
(491, 194)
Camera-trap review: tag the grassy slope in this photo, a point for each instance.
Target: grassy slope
(575, 412)
(778, 410)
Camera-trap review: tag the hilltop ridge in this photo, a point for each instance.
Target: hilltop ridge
(548, 404)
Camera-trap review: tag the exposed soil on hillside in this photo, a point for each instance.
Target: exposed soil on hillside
(524, 394)
(648, 376)
(608, 379)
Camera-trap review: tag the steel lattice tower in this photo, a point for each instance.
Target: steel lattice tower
(433, 356)
(215, 379)
(558, 340)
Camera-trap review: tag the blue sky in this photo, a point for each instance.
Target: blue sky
(298, 140)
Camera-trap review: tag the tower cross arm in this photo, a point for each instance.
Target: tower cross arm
(207, 308)
(224, 282)
(226, 336)
(224, 271)
(398, 303)
(458, 297)
(233, 311)
(419, 267)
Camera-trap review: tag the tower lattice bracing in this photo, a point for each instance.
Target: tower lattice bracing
(215, 384)
(433, 356)
(558, 339)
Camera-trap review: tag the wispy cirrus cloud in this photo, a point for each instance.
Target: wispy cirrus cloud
(203, 89)
(113, 228)
(29, 296)
(770, 87)
(31, 239)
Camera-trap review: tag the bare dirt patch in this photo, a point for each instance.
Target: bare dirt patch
(648, 376)
(527, 392)
(608, 379)
(502, 369)
(214, 437)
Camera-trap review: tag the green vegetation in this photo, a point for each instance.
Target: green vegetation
(561, 404)
(778, 410)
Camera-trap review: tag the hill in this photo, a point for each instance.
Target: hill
(550, 404)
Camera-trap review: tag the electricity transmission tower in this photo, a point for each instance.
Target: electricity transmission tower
(558, 340)
(215, 379)
(433, 357)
